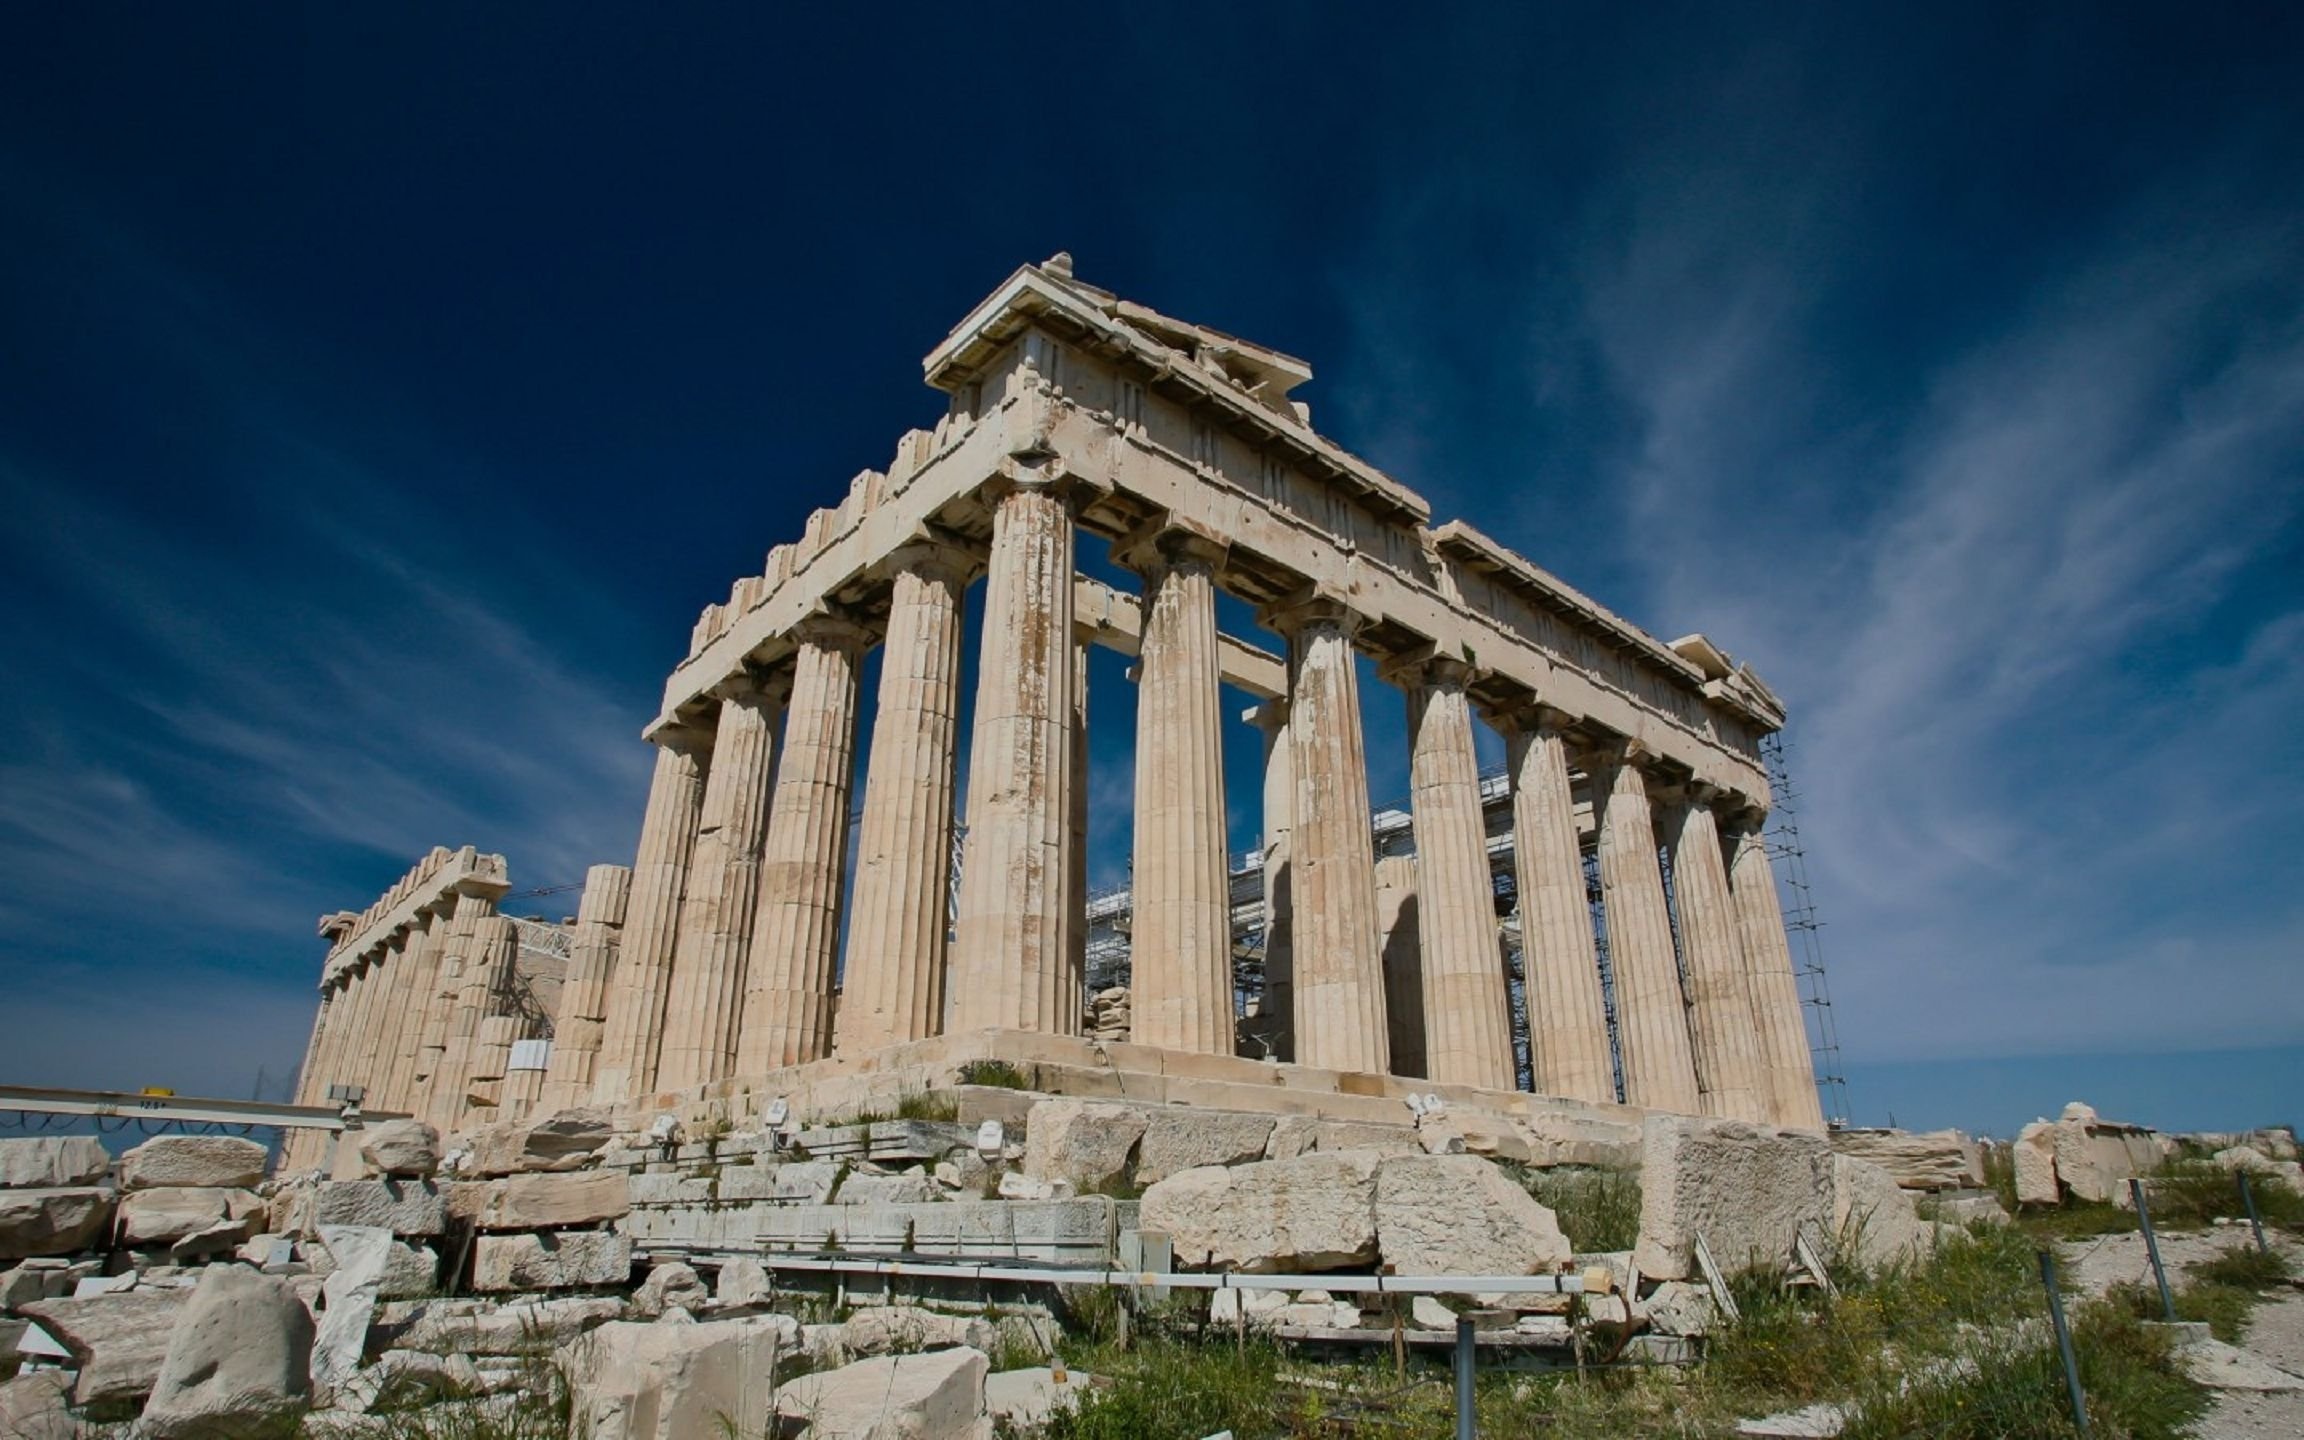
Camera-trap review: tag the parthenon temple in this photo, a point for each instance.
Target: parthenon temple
(1598, 922)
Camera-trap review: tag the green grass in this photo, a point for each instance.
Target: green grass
(2222, 1292)
(1598, 1208)
(998, 1074)
(926, 1105)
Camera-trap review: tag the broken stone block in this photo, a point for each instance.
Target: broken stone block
(118, 1340)
(1979, 1209)
(632, 1381)
(551, 1262)
(36, 1406)
(401, 1150)
(1679, 1307)
(52, 1162)
(405, 1379)
(803, 1182)
(566, 1141)
(1315, 1212)
(2095, 1158)
(938, 1396)
(900, 1329)
(1426, 1312)
(557, 1201)
(240, 1356)
(1746, 1189)
(859, 1189)
(1085, 1142)
(1932, 1160)
(458, 1328)
(167, 1215)
(1874, 1222)
(411, 1271)
(742, 1281)
(223, 1162)
(1026, 1400)
(1176, 1140)
(1252, 1307)
(360, 1253)
(670, 1284)
(2034, 1155)
(1460, 1215)
(404, 1207)
(52, 1222)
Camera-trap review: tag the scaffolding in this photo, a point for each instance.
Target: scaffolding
(1801, 923)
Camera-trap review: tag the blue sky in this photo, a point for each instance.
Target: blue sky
(383, 392)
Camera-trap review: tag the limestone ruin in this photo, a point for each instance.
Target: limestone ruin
(711, 975)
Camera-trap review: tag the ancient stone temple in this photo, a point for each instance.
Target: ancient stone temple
(1598, 924)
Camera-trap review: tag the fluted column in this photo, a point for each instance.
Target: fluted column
(495, 1028)
(1339, 974)
(439, 1035)
(1720, 1018)
(1779, 1021)
(577, 1031)
(893, 989)
(490, 946)
(1651, 1014)
(1403, 952)
(803, 862)
(723, 893)
(1012, 965)
(1567, 1010)
(1180, 993)
(642, 986)
(419, 960)
(1467, 1009)
(374, 1016)
(1276, 1012)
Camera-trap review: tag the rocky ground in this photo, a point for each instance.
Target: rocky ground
(2277, 1335)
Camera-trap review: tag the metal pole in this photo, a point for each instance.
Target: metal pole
(2064, 1342)
(2152, 1247)
(2248, 1200)
(1465, 1429)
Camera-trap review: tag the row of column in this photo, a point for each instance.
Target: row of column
(730, 936)
(419, 1023)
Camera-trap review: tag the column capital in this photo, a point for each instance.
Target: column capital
(1528, 716)
(755, 686)
(935, 556)
(1311, 608)
(1047, 477)
(831, 629)
(1426, 665)
(1166, 542)
(684, 738)
(1267, 716)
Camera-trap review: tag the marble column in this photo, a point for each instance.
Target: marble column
(438, 1036)
(1180, 994)
(1012, 963)
(374, 1015)
(804, 860)
(1276, 1011)
(491, 947)
(1780, 1023)
(495, 1028)
(1720, 1018)
(1567, 1010)
(642, 985)
(723, 893)
(1651, 1012)
(1071, 1020)
(1403, 951)
(577, 1031)
(893, 991)
(1467, 1008)
(1338, 972)
(419, 962)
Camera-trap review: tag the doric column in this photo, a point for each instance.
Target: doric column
(1720, 1018)
(438, 1035)
(1070, 1020)
(1012, 965)
(1779, 1020)
(419, 965)
(723, 893)
(1567, 1010)
(1276, 1012)
(374, 1016)
(490, 945)
(1651, 1014)
(893, 989)
(496, 1026)
(1403, 951)
(327, 1021)
(1180, 993)
(577, 1031)
(1467, 1009)
(796, 935)
(642, 986)
(1339, 973)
